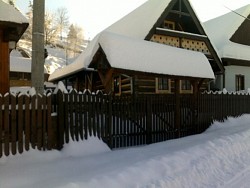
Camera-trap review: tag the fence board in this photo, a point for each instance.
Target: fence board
(33, 121)
(90, 127)
(6, 125)
(45, 116)
(85, 116)
(1, 125)
(81, 104)
(13, 124)
(39, 122)
(76, 114)
(20, 123)
(65, 117)
(27, 122)
(50, 132)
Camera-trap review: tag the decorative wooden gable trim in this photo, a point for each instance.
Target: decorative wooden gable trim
(179, 26)
(242, 35)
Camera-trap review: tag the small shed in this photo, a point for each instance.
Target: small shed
(132, 66)
(12, 26)
(125, 65)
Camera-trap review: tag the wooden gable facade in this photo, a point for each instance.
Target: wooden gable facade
(177, 26)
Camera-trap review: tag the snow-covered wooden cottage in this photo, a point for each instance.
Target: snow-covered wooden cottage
(12, 26)
(141, 53)
(230, 34)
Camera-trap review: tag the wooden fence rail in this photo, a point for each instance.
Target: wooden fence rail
(49, 121)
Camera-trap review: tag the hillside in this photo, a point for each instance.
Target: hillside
(58, 57)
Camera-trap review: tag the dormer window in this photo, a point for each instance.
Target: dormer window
(169, 25)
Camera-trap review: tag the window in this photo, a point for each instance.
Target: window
(117, 82)
(169, 25)
(240, 82)
(186, 86)
(162, 85)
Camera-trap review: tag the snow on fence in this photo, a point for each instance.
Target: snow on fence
(49, 121)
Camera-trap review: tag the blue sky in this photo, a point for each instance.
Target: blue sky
(95, 15)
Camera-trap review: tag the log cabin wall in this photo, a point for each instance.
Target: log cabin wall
(144, 85)
(4, 64)
(122, 84)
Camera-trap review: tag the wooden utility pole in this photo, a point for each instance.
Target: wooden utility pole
(37, 70)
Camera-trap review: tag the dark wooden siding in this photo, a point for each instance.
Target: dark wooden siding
(144, 85)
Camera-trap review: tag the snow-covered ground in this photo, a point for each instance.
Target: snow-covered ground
(220, 157)
(56, 59)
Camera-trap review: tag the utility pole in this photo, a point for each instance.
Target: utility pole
(37, 68)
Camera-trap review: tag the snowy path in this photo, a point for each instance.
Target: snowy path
(240, 180)
(218, 158)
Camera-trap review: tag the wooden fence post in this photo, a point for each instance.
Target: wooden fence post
(149, 120)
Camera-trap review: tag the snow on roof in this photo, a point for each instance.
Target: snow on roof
(136, 24)
(81, 62)
(9, 14)
(144, 56)
(221, 29)
(18, 63)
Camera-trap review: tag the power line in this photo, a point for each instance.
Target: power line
(237, 13)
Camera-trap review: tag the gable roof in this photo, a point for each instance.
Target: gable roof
(136, 24)
(222, 28)
(143, 56)
(149, 57)
(12, 21)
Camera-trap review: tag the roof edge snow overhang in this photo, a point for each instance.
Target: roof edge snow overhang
(55, 78)
(125, 53)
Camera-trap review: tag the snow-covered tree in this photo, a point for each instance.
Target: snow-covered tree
(74, 40)
(29, 15)
(62, 20)
(50, 28)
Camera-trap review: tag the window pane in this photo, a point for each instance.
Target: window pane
(163, 84)
(185, 85)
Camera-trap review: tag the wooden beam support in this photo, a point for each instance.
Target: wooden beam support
(106, 79)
